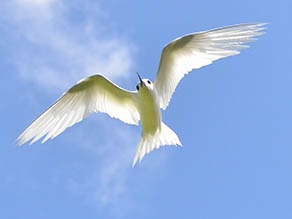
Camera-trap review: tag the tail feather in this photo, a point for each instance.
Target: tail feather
(147, 143)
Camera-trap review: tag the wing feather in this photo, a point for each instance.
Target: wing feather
(93, 94)
(195, 50)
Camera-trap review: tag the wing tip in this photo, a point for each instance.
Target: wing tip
(255, 24)
(19, 142)
(21, 139)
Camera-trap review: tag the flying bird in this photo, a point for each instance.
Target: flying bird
(98, 94)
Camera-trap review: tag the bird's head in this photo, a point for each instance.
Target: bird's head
(144, 84)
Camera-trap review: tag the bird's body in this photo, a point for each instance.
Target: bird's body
(98, 94)
(149, 108)
(154, 132)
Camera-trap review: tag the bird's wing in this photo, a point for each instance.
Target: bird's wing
(92, 94)
(195, 50)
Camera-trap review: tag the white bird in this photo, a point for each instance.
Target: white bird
(98, 94)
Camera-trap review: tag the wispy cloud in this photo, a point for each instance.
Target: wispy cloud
(111, 182)
(53, 49)
(56, 49)
(107, 184)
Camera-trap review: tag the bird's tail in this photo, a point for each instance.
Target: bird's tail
(147, 143)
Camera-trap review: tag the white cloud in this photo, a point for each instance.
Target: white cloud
(36, 3)
(110, 184)
(57, 46)
(106, 185)
(54, 47)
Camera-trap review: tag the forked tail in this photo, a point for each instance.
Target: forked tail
(147, 143)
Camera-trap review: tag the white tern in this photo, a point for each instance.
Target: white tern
(98, 94)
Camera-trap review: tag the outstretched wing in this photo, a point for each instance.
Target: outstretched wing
(195, 50)
(92, 94)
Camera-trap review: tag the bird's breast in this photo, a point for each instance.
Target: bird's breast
(149, 110)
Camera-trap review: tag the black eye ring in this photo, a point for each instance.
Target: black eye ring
(149, 82)
(137, 87)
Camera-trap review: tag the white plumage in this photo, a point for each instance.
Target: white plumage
(98, 94)
(195, 50)
(93, 94)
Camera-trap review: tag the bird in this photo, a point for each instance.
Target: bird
(97, 93)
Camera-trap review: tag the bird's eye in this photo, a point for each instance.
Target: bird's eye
(137, 87)
(149, 82)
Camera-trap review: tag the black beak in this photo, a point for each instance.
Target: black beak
(140, 79)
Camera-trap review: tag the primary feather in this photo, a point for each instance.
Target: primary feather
(195, 50)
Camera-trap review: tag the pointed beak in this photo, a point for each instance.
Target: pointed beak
(140, 79)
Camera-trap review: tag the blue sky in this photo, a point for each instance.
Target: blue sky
(233, 117)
